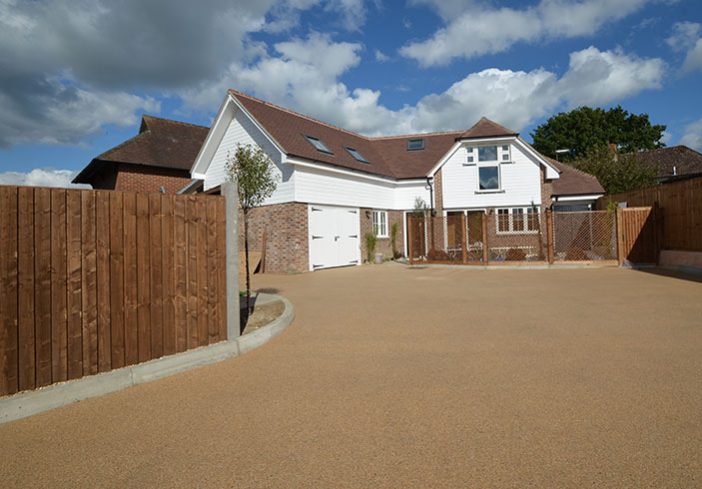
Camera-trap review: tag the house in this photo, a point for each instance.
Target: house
(336, 185)
(159, 158)
(673, 163)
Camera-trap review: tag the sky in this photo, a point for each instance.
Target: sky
(76, 75)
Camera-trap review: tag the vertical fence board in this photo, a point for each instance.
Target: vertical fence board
(221, 270)
(131, 321)
(202, 278)
(211, 271)
(144, 276)
(74, 291)
(117, 279)
(42, 284)
(89, 284)
(59, 340)
(167, 232)
(102, 230)
(155, 221)
(26, 370)
(9, 378)
(191, 225)
(181, 273)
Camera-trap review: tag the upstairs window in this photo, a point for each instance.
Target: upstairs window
(415, 144)
(357, 155)
(489, 178)
(318, 144)
(488, 154)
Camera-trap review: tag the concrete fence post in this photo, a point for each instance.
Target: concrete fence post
(231, 210)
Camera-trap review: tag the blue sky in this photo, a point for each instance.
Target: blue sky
(76, 75)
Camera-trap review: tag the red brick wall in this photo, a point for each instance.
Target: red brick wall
(383, 245)
(137, 178)
(438, 194)
(285, 225)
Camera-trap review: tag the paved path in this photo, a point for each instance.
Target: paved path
(391, 377)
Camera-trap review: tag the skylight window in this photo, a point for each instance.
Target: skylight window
(317, 143)
(357, 155)
(415, 144)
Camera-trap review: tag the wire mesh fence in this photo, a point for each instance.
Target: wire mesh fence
(512, 235)
(584, 236)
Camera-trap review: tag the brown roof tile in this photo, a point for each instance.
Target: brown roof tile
(162, 143)
(684, 160)
(572, 181)
(485, 128)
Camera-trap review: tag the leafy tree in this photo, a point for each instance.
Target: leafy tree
(616, 172)
(585, 127)
(252, 171)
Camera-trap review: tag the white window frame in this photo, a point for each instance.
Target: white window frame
(380, 224)
(499, 179)
(526, 211)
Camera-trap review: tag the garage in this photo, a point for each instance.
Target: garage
(334, 236)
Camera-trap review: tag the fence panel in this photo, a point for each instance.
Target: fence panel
(680, 211)
(584, 236)
(638, 235)
(454, 238)
(95, 280)
(516, 236)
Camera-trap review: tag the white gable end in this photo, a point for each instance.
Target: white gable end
(520, 179)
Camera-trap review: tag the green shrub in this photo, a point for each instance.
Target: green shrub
(371, 241)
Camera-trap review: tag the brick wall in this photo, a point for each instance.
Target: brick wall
(438, 194)
(383, 245)
(285, 225)
(138, 178)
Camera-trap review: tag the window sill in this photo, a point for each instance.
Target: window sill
(489, 191)
(502, 233)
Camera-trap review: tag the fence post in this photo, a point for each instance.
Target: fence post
(231, 210)
(620, 237)
(549, 236)
(483, 224)
(410, 236)
(464, 238)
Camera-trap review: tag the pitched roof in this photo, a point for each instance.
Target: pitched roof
(681, 159)
(485, 128)
(162, 143)
(387, 156)
(573, 181)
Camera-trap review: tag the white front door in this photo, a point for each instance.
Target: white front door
(334, 236)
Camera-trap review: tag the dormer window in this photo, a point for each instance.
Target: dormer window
(499, 154)
(356, 154)
(319, 145)
(415, 144)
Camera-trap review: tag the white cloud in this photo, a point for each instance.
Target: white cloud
(684, 36)
(473, 29)
(40, 177)
(305, 76)
(597, 77)
(380, 56)
(687, 38)
(693, 135)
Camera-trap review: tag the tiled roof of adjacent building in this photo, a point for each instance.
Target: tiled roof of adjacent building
(161, 143)
(673, 161)
(573, 181)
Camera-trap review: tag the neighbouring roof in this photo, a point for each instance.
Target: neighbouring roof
(673, 161)
(161, 143)
(573, 181)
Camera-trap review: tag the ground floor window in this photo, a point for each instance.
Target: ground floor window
(380, 224)
(517, 220)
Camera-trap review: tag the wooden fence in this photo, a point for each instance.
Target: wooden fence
(680, 205)
(96, 280)
(638, 235)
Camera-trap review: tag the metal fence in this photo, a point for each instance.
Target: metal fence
(518, 235)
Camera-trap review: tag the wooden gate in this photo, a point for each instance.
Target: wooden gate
(638, 235)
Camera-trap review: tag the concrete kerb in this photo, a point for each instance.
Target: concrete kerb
(33, 402)
(555, 266)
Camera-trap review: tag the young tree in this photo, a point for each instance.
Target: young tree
(252, 171)
(584, 128)
(616, 172)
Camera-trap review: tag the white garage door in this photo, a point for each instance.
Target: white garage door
(334, 236)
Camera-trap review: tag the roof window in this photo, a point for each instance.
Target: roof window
(317, 143)
(357, 155)
(415, 144)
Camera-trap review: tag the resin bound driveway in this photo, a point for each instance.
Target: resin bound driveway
(424, 378)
